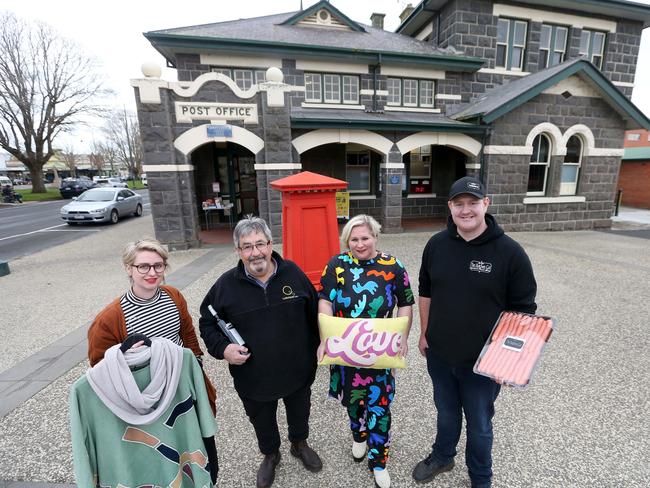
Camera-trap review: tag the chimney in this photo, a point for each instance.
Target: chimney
(377, 20)
(406, 12)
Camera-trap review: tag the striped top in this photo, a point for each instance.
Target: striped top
(155, 317)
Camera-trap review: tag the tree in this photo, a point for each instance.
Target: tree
(47, 85)
(103, 154)
(123, 134)
(69, 158)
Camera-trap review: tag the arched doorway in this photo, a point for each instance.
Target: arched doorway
(224, 172)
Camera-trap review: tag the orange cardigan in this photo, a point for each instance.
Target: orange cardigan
(109, 328)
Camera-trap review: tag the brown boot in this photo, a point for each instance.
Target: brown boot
(307, 455)
(266, 473)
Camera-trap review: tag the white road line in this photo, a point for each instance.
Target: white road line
(32, 232)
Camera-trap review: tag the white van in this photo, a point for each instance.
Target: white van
(4, 181)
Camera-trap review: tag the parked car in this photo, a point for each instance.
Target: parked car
(4, 181)
(19, 181)
(102, 205)
(111, 183)
(73, 187)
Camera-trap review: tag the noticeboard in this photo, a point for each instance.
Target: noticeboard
(342, 205)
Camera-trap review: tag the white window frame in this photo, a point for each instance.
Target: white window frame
(350, 89)
(552, 48)
(260, 76)
(424, 92)
(511, 46)
(588, 49)
(368, 166)
(505, 56)
(313, 86)
(331, 88)
(408, 93)
(571, 187)
(243, 78)
(397, 83)
(223, 71)
(546, 164)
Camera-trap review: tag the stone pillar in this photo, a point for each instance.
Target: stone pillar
(275, 161)
(392, 175)
(171, 191)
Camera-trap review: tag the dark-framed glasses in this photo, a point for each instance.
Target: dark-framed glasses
(145, 267)
(260, 246)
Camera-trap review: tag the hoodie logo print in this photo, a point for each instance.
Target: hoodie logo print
(480, 266)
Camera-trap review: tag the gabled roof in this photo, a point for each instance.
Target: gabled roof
(334, 12)
(505, 98)
(271, 35)
(426, 10)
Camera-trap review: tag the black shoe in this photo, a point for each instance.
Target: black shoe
(429, 468)
(307, 455)
(482, 485)
(266, 473)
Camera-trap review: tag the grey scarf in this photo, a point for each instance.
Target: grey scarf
(113, 382)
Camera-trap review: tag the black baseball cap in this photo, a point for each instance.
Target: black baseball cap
(469, 185)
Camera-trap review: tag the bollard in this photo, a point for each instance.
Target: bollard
(4, 268)
(619, 198)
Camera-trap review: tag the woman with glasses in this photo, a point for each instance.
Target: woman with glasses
(363, 282)
(147, 307)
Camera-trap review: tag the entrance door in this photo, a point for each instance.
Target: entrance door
(236, 169)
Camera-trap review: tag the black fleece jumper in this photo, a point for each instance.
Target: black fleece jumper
(279, 324)
(470, 283)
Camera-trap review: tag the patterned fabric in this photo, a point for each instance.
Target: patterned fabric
(366, 289)
(155, 317)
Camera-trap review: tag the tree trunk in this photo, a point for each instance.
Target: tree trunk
(37, 181)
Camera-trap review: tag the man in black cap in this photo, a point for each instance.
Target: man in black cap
(470, 272)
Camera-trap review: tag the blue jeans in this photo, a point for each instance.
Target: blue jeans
(457, 390)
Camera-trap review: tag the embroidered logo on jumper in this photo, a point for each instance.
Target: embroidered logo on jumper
(480, 266)
(288, 293)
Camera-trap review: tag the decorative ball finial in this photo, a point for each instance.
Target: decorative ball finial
(151, 69)
(274, 74)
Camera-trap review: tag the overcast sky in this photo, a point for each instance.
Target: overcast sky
(111, 31)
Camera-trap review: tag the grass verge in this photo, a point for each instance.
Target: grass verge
(28, 196)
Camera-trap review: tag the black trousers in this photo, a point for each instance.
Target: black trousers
(263, 416)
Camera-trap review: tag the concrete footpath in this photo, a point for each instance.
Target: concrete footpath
(583, 421)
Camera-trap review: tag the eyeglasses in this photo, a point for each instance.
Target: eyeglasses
(248, 248)
(144, 267)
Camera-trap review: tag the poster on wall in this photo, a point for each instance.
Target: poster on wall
(342, 205)
(216, 188)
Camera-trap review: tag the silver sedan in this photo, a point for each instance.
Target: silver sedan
(102, 205)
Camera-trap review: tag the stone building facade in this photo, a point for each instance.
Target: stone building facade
(399, 115)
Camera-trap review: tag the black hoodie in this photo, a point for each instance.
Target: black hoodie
(469, 284)
(279, 324)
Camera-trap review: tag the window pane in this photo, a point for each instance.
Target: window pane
(573, 150)
(541, 149)
(584, 42)
(502, 31)
(517, 53)
(426, 93)
(543, 59)
(394, 91)
(410, 92)
(312, 88)
(244, 78)
(569, 173)
(501, 55)
(560, 39)
(545, 39)
(536, 177)
(260, 76)
(332, 85)
(598, 43)
(520, 34)
(598, 61)
(223, 71)
(358, 178)
(350, 89)
(556, 59)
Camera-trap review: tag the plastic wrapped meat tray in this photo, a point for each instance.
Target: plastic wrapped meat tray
(514, 348)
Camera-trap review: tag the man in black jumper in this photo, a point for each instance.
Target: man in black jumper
(273, 306)
(470, 272)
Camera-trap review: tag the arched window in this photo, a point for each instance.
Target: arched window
(571, 166)
(539, 162)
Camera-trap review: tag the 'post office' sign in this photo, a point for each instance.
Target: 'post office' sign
(186, 112)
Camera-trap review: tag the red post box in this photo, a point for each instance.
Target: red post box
(310, 234)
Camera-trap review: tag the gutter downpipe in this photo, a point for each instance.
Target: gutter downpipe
(374, 82)
(486, 138)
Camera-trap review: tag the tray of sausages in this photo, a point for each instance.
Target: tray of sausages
(514, 348)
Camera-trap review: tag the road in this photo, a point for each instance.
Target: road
(28, 228)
